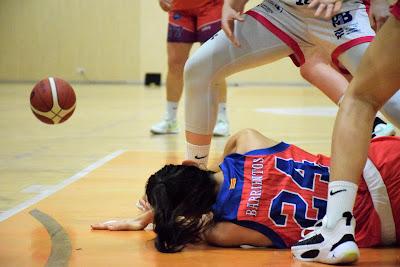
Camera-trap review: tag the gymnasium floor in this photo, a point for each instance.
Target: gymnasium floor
(57, 180)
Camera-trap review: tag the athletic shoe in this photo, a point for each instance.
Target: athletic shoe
(383, 129)
(221, 128)
(329, 245)
(165, 127)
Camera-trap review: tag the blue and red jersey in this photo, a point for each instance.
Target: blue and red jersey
(281, 190)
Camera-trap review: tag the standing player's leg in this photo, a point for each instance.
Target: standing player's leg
(318, 70)
(352, 59)
(375, 81)
(208, 24)
(181, 36)
(221, 127)
(208, 68)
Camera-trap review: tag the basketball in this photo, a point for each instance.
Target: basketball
(53, 100)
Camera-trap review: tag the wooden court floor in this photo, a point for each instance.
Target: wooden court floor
(57, 180)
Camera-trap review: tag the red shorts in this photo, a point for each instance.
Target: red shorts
(195, 25)
(396, 10)
(384, 152)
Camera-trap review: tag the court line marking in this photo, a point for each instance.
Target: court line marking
(61, 247)
(8, 213)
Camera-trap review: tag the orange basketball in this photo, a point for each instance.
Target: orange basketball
(53, 100)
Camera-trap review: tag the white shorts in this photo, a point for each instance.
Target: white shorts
(295, 24)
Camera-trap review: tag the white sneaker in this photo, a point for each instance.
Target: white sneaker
(221, 128)
(384, 129)
(329, 245)
(165, 127)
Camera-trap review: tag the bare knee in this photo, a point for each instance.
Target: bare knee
(305, 72)
(361, 100)
(176, 64)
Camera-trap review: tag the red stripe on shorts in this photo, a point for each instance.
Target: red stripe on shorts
(346, 46)
(297, 56)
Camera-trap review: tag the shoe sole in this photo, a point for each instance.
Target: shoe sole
(345, 253)
(388, 131)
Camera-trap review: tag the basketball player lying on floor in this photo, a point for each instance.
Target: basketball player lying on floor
(264, 193)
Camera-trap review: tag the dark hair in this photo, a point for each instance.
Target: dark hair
(180, 195)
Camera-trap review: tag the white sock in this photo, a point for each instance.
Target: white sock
(222, 111)
(341, 198)
(198, 154)
(172, 110)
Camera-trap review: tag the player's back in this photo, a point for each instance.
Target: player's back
(277, 191)
(281, 190)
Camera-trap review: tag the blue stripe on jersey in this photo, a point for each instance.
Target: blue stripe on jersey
(227, 204)
(270, 150)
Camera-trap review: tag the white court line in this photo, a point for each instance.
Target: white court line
(8, 213)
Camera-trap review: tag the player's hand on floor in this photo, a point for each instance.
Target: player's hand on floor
(119, 225)
(229, 15)
(326, 8)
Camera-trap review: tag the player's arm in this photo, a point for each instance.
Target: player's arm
(242, 142)
(326, 8)
(136, 224)
(247, 140)
(227, 234)
(231, 11)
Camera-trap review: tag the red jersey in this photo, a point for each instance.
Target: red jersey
(281, 190)
(190, 4)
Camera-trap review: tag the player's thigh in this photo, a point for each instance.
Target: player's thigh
(345, 36)
(219, 58)
(377, 77)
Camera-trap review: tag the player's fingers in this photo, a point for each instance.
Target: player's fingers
(121, 226)
(98, 226)
(102, 225)
(372, 21)
(378, 25)
(337, 7)
(380, 22)
(329, 11)
(140, 206)
(313, 4)
(145, 204)
(238, 17)
(229, 29)
(320, 9)
(165, 7)
(226, 28)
